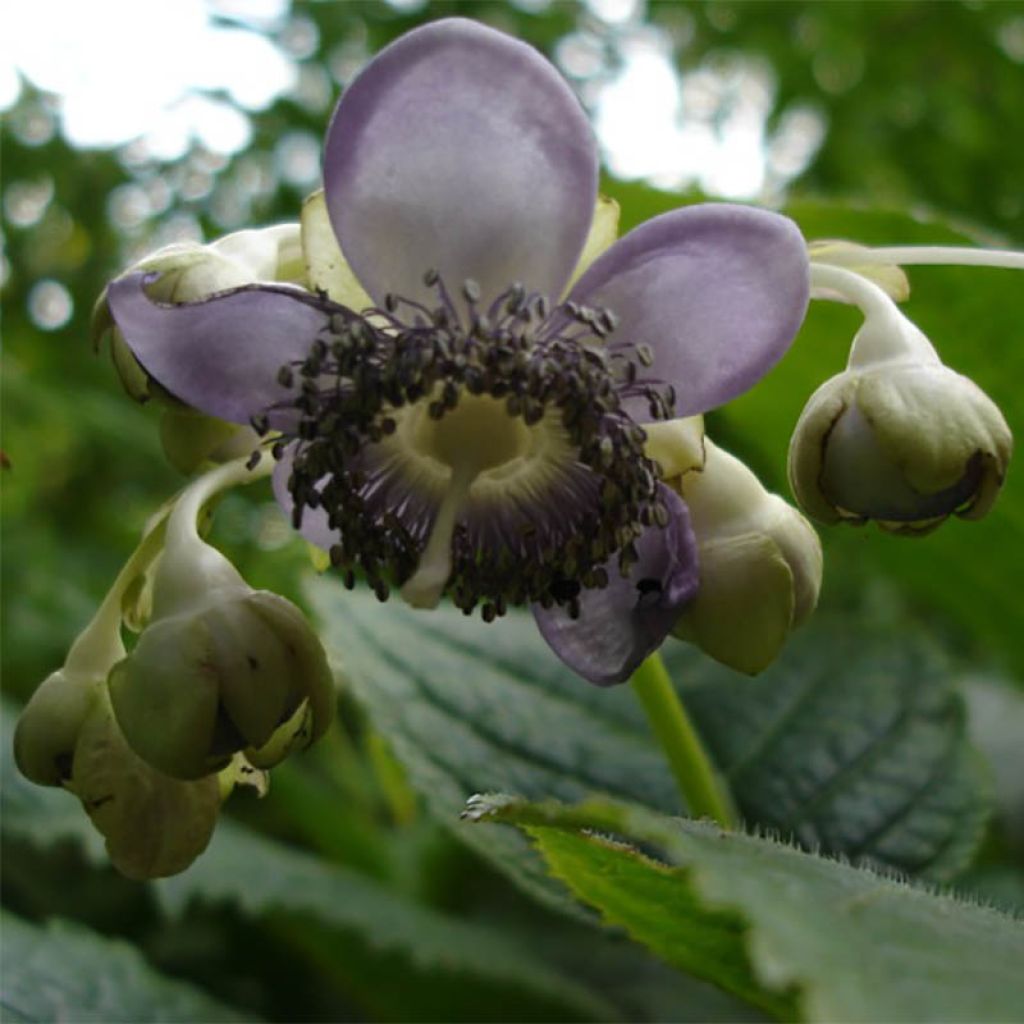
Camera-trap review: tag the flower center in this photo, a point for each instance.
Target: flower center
(483, 454)
(477, 435)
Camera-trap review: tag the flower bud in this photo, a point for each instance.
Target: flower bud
(48, 728)
(191, 438)
(898, 438)
(154, 825)
(760, 565)
(223, 670)
(189, 271)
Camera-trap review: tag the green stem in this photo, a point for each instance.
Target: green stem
(182, 527)
(930, 255)
(99, 644)
(695, 776)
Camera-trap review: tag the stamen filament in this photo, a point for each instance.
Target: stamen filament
(928, 255)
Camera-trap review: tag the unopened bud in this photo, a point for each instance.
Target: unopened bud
(760, 565)
(900, 439)
(189, 271)
(223, 670)
(154, 825)
(49, 725)
(192, 438)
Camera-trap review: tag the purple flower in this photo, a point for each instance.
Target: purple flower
(475, 433)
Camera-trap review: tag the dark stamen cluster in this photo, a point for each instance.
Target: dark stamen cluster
(368, 366)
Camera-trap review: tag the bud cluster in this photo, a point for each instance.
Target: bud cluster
(223, 683)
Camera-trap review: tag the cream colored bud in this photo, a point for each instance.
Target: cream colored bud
(189, 270)
(760, 565)
(905, 442)
(48, 727)
(220, 677)
(154, 825)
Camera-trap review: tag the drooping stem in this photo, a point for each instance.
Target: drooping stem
(863, 293)
(929, 255)
(182, 524)
(701, 788)
(99, 644)
(887, 332)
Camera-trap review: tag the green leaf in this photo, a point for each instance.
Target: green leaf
(853, 742)
(789, 929)
(66, 972)
(262, 878)
(997, 727)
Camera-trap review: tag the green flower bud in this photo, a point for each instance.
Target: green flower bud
(221, 668)
(154, 825)
(760, 565)
(898, 438)
(191, 438)
(49, 725)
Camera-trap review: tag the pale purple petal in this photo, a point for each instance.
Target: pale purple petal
(221, 354)
(717, 291)
(622, 624)
(314, 520)
(460, 149)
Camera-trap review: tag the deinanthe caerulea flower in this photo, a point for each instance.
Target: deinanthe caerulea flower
(477, 432)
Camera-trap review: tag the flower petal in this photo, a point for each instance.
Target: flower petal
(460, 149)
(717, 291)
(221, 354)
(622, 624)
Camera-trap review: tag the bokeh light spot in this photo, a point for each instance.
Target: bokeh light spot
(49, 305)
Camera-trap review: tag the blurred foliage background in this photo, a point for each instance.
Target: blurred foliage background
(889, 122)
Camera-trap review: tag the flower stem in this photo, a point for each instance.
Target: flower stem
(863, 293)
(182, 526)
(699, 784)
(99, 644)
(931, 255)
